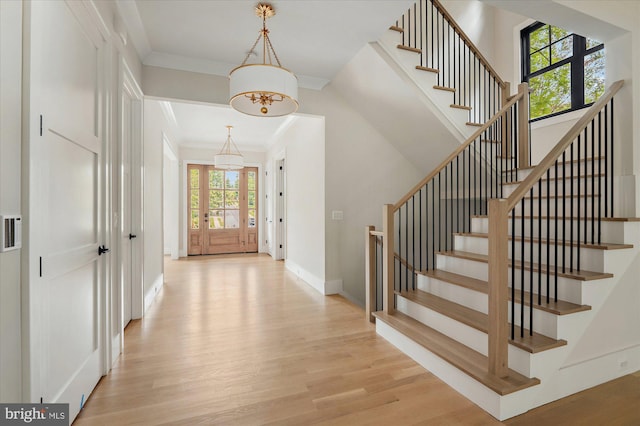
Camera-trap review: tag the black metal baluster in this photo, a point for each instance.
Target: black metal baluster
(413, 243)
(564, 207)
(531, 263)
(406, 246)
(540, 241)
(420, 224)
(571, 202)
(522, 243)
(612, 158)
(600, 174)
(513, 273)
(606, 164)
(593, 183)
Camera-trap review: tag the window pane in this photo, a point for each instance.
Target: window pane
(232, 199)
(551, 91)
(562, 50)
(251, 180)
(216, 179)
(539, 38)
(195, 198)
(252, 218)
(216, 219)
(251, 203)
(593, 76)
(216, 199)
(558, 33)
(540, 60)
(195, 178)
(232, 180)
(232, 218)
(195, 219)
(592, 43)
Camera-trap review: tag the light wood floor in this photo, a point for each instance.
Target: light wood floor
(237, 340)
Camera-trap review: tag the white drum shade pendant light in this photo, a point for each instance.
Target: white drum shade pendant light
(229, 157)
(266, 89)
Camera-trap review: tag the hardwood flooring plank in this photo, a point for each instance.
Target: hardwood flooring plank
(238, 340)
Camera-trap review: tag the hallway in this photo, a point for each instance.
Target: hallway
(238, 340)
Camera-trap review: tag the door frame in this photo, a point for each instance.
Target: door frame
(184, 182)
(128, 84)
(173, 191)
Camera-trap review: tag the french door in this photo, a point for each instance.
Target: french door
(222, 210)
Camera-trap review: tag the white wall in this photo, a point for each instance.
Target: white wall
(193, 155)
(303, 145)
(156, 129)
(10, 197)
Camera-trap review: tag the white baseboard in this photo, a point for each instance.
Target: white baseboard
(150, 295)
(322, 286)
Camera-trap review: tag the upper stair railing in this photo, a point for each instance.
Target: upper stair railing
(537, 233)
(424, 221)
(427, 28)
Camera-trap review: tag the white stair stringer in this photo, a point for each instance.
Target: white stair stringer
(499, 406)
(558, 370)
(404, 62)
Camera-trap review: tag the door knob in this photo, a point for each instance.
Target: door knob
(102, 249)
(131, 236)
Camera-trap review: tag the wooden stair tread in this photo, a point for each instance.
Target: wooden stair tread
(479, 321)
(421, 68)
(577, 275)
(396, 28)
(599, 246)
(457, 279)
(603, 219)
(467, 108)
(448, 89)
(588, 176)
(560, 162)
(560, 307)
(561, 196)
(460, 356)
(469, 123)
(409, 48)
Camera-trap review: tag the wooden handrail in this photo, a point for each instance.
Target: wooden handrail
(550, 159)
(461, 148)
(467, 40)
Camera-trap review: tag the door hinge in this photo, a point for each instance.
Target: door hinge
(40, 124)
(40, 266)
(281, 194)
(280, 220)
(41, 399)
(280, 245)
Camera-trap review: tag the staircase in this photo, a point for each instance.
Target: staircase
(496, 275)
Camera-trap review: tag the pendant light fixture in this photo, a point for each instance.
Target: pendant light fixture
(229, 157)
(266, 89)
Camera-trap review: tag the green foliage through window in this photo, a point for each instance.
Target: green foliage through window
(565, 71)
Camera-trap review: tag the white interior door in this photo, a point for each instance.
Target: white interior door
(65, 196)
(127, 234)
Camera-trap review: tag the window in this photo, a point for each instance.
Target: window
(565, 71)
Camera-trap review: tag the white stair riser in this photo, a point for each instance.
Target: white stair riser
(567, 207)
(568, 289)
(580, 186)
(579, 168)
(610, 232)
(544, 322)
(519, 360)
(455, 293)
(594, 258)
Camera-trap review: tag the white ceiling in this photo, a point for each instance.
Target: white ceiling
(314, 39)
(204, 126)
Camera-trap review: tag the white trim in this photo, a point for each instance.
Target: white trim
(322, 286)
(150, 295)
(128, 10)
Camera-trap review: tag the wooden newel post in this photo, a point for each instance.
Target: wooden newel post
(506, 122)
(498, 287)
(523, 126)
(388, 264)
(370, 272)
